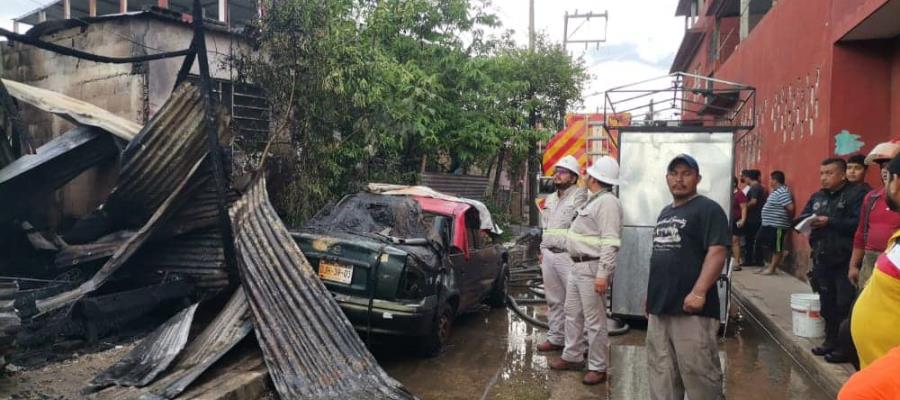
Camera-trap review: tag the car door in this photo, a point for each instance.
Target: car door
(465, 271)
(486, 260)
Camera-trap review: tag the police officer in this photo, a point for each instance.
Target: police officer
(835, 212)
(557, 216)
(593, 241)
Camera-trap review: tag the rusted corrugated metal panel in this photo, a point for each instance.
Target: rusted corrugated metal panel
(468, 186)
(161, 156)
(129, 248)
(229, 328)
(57, 162)
(198, 255)
(159, 174)
(310, 348)
(199, 212)
(152, 356)
(219, 337)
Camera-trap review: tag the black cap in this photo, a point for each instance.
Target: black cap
(894, 166)
(685, 159)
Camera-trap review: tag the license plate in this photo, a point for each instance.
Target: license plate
(336, 272)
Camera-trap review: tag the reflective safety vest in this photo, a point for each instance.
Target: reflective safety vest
(558, 215)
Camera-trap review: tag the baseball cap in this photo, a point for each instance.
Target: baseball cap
(686, 159)
(894, 166)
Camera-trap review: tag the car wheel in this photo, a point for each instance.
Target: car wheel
(497, 298)
(439, 334)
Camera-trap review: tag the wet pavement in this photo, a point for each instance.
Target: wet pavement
(492, 356)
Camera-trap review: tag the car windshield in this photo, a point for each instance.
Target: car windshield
(373, 215)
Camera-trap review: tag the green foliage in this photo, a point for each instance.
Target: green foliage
(368, 87)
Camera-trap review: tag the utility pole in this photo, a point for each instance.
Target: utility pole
(531, 166)
(531, 25)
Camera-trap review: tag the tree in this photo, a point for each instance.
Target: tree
(367, 88)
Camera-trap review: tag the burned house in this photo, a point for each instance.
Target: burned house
(131, 120)
(134, 91)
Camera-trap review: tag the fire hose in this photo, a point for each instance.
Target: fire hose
(533, 283)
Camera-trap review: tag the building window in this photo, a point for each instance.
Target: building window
(714, 43)
(249, 110)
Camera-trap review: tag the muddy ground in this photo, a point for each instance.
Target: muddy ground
(491, 356)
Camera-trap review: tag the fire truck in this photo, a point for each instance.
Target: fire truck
(584, 137)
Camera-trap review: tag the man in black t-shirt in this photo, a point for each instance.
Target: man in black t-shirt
(689, 248)
(756, 198)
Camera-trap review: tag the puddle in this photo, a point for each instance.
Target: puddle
(492, 356)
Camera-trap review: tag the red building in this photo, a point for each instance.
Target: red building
(827, 74)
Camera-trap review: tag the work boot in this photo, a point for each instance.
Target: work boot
(563, 365)
(548, 346)
(594, 378)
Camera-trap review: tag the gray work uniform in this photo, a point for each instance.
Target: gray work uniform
(557, 216)
(593, 242)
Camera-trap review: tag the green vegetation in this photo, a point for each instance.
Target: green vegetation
(370, 90)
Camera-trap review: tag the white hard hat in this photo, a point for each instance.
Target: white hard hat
(606, 170)
(569, 163)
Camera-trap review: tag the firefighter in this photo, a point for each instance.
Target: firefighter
(593, 241)
(557, 216)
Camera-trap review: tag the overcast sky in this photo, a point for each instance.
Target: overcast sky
(642, 35)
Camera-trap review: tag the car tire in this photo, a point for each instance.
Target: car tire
(497, 297)
(434, 343)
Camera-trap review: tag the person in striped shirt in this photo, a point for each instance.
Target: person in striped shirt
(776, 222)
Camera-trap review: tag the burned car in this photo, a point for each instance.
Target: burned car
(405, 265)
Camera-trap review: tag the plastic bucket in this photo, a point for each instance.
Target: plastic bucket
(807, 320)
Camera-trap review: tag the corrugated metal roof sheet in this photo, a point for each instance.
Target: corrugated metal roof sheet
(56, 162)
(310, 348)
(123, 253)
(217, 339)
(152, 356)
(228, 328)
(73, 110)
(198, 255)
(159, 174)
(161, 156)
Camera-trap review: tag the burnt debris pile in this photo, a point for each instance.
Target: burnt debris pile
(177, 252)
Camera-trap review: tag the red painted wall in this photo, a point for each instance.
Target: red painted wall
(810, 88)
(895, 91)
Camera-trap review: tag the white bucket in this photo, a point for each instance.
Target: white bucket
(807, 320)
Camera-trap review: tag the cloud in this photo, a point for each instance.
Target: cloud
(641, 37)
(615, 73)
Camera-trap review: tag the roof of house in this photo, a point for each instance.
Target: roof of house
(239, 11)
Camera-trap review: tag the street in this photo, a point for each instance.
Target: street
(491, 356)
